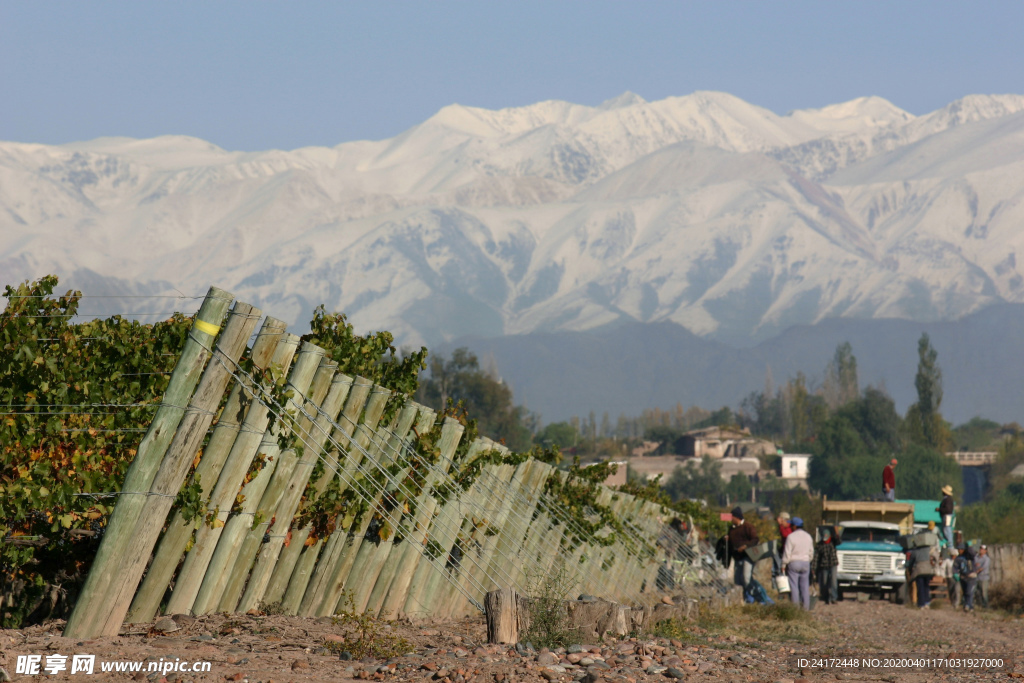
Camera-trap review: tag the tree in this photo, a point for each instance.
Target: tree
(694, 481)
(841, 383)
(559, 434)
(842, 466)
(924, 422)
(487, 400)
(875, 419)
(923, 472)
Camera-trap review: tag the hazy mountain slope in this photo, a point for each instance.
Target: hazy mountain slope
(702, 210)
(627, 368)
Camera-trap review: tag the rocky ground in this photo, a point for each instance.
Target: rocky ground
(739, 644)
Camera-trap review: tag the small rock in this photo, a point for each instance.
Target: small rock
(166, 625)
(429, 666)
(300, 664)
(592, 677)
(736, 658)
(234, 677)
(587, 598)
(345, 656)
(573, 649)
(549, 674)
(547, 659)
(673, 672)
(704, 667)
(139, 676)
(667, 600)
(574, 657)
(334, 638)
(587, 661)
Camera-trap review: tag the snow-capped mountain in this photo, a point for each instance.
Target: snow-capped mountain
(704, 210)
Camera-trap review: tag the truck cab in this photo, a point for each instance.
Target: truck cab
(871, 559)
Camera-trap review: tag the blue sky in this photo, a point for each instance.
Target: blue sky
(259, 75)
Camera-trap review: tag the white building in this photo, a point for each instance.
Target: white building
(794, 469)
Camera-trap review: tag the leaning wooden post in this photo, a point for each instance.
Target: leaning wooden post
(320, 554)
(228, 547)
(385, 571)
(225, 490)
(366, 550)
(323, 411)
(179, 458)
(416, 533)
(353, 473)
(175, 539)
(89, 615)
(340, 387)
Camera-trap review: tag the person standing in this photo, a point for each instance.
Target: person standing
(796, 562)
(969, 579)
(945, 511)
(922, 565)
(741, 536)
(889, 481)
(949, 575)
(961, 567)
(826, 560)
(983, 564)
(785, 529)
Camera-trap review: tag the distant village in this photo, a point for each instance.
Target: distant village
(736, 451)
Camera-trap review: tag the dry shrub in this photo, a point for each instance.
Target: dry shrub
(1008, 595)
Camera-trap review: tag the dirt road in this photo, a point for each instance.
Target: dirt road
(742, 644)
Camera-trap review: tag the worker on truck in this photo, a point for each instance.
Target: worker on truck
(945, 510)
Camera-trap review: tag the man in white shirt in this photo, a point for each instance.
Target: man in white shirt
(796, 562)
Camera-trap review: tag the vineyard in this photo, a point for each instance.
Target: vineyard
(215, 462)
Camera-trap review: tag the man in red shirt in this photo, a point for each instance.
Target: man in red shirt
(889, 482)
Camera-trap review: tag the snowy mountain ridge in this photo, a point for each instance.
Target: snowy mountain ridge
(704, 210)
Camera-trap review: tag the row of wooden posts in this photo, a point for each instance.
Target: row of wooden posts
(250, 551)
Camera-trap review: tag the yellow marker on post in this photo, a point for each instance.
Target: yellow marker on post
(206, 327)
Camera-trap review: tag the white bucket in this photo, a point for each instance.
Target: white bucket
(782, 583)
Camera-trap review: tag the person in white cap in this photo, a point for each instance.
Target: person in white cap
(945, 510)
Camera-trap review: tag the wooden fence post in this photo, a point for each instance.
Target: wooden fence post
(342, 560)
(90, 613)
(270, 552)
(314, 559)
(217, 574)
(384, 568)
(340, 388)
(179, 458)
(416, 533)
(172, 544)
(364, 550)
(225, 490)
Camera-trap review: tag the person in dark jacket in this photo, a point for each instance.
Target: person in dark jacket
(969, 577)
(742, 536)
(945, 511)
(826, 561)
